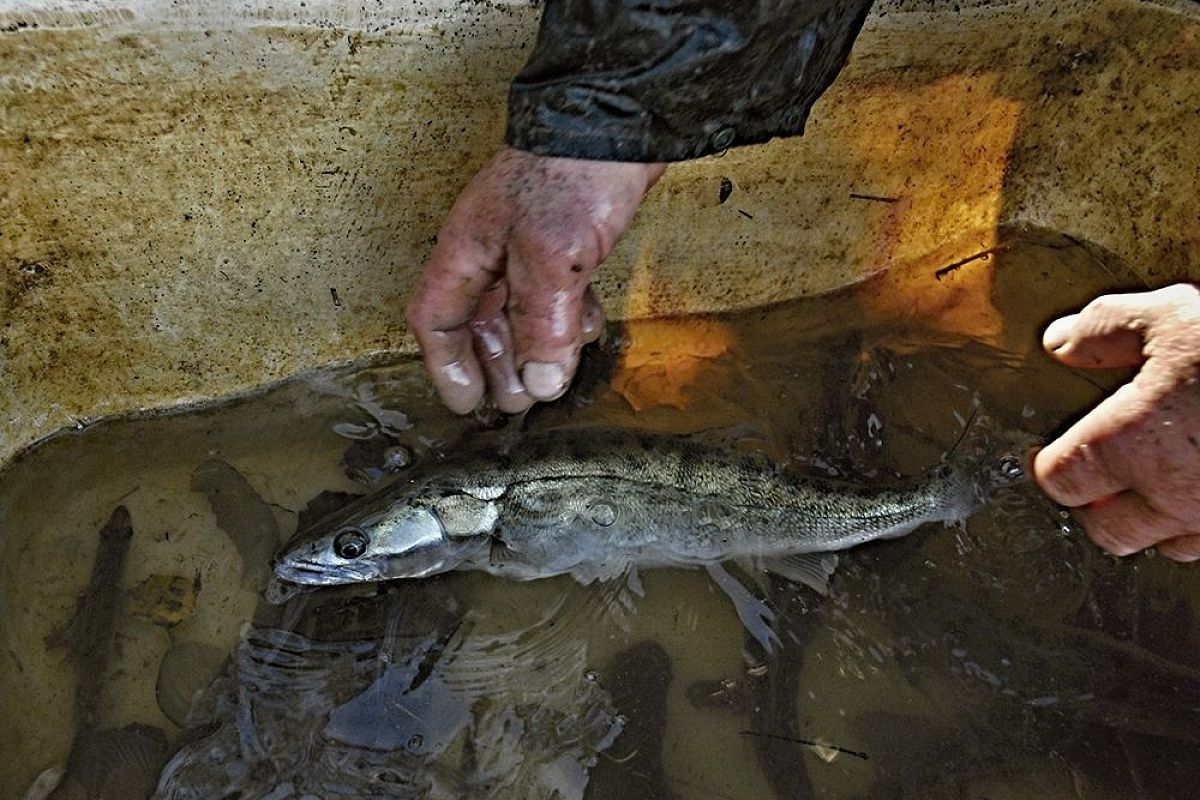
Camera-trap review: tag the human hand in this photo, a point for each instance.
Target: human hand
(1130, 469)
(505, 296)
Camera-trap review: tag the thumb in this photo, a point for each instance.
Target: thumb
(1108, 332)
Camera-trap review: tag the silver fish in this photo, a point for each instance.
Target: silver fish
(594, 503)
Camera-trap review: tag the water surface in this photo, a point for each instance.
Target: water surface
(1005, 658)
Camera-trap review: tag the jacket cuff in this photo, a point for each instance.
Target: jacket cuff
(619, 80)
(641, 144)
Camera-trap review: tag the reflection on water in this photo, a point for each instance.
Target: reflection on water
(1003, 658)
(398, 695)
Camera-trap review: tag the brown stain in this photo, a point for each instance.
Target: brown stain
(25, 277)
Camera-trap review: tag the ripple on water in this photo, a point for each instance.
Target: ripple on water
(509, 713)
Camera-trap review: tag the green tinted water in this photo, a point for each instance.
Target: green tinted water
(1009, 658)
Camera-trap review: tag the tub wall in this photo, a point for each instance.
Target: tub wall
(198, 197)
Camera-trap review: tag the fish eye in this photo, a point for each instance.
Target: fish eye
(350, 543)
(1011, 467)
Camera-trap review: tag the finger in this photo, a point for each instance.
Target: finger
(546, 288)
(1181, 548)
(493, 346)
(591, 324)
(1108, 332)
(447, 296)
(453, 367)
(1077, 467)
(1127, 524)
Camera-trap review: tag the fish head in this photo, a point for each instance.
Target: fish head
(406, 538)
(1006, 459)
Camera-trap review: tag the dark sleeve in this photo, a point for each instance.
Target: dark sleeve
(668, 80)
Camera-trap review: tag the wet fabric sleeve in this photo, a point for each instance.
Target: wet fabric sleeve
(668, 80)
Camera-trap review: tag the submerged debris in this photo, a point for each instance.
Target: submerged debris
(121, 763)
(245, 517)
(394, 696)
(165, 600)
(91, 632)
(186, 671)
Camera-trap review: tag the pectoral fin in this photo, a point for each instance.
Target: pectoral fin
(500, 554)
(810, 569)
(754, 613)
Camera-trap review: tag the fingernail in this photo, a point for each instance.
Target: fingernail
(455, 373)
(456, 387)
(1058, 333)
(514, 402)
(544, 380)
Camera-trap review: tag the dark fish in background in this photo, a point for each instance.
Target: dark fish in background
(638, 679)
(91, 633)
(1073, 679)
(322, 506)
(105, 764)
(766, 695)
(774, 716)
(243, 515)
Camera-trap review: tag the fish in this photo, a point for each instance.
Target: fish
(595, 503)
(102, 763)
(91, 636)
(639, 679)
(242, 514)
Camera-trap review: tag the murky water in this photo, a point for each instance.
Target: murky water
(1009, 658)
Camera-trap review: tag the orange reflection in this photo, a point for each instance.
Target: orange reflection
(950, 141)
(668, 359)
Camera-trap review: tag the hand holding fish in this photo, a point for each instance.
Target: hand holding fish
(1130, 469)
(505, 296)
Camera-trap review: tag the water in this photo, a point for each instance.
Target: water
(1009, 658)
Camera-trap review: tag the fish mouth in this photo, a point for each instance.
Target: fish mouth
(311, 574)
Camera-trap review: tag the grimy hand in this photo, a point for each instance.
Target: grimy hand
(1130, 469)
(504, 298)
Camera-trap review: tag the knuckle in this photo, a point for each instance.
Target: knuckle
(1181, 548)
(1074, 476)
(418, 315)
(559, 248)
(1102, 307)
(1179, 294)
(1113, 312)
(1110, 540)
(1180, 508)
(1060, 486)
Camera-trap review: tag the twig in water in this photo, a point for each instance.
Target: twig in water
(807, 743)
(875, 197)
(946, 270)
